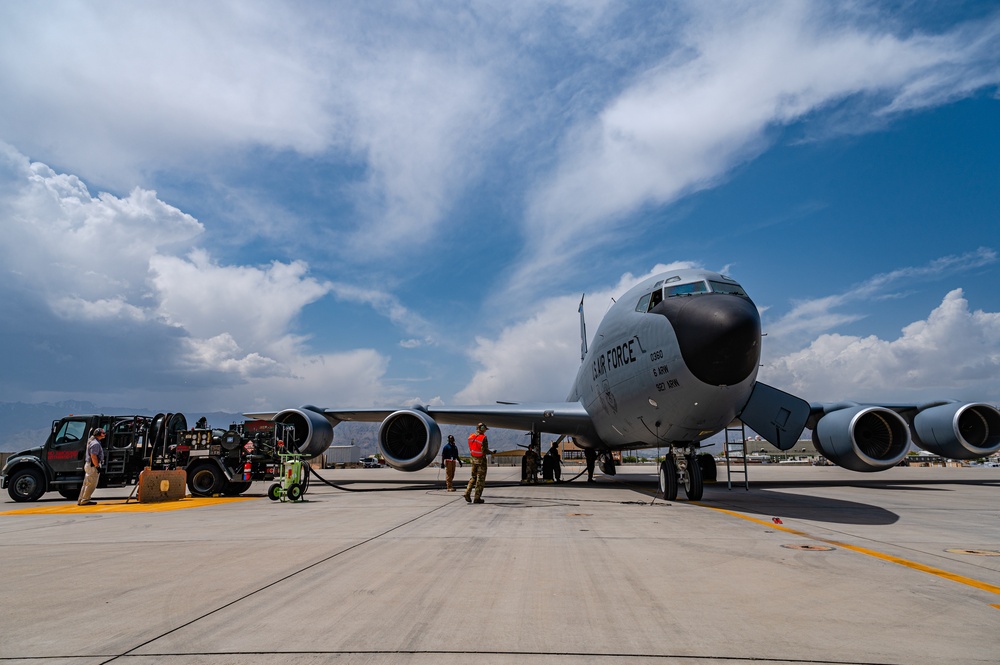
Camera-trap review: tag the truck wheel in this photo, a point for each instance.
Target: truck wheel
(26, 484)
(236, 488)
(274, 492)
(205, 480)
(71, 493)
(295, 492)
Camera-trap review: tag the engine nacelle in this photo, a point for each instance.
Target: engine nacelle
(313, 432)
(863, 438)
(959, 431)
(409, 440)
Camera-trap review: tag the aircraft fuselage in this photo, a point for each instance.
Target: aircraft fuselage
(673, 361)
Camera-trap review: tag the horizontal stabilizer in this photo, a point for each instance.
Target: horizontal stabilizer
(775, 415)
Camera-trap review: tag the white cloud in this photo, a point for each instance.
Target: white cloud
(111, 86)
(709, 104)
(255, 305)
(97, 310)
(61, 240)
(954, 353)
(119, 93)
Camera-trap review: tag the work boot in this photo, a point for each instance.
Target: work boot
(468, 499)
(478, 501)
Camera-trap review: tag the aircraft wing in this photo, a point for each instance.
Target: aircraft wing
(568, 418)
(874, 437)
(409, 436)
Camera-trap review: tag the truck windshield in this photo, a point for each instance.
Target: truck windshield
(72, 430)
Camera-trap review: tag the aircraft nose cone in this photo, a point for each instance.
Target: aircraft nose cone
(719, 336)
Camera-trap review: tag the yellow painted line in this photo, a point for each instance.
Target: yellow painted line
(931, 570)
(119, 506)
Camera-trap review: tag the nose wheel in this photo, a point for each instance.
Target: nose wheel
(687, 473)
(668, 478)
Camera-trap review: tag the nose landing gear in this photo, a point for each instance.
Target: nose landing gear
(677, 470)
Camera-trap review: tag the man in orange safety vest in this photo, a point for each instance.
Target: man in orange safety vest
(478, 449)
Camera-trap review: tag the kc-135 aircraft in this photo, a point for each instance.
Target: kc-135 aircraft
(673, 362)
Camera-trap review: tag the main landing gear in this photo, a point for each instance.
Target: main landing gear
(686, 470)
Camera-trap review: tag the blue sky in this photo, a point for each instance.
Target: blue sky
(250, 205)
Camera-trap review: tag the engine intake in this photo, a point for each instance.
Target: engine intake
(313, 432)
(959, 431)
(863, 438)
(409, 440)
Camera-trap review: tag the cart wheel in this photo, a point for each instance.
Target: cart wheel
(274, 492)
(295, 492)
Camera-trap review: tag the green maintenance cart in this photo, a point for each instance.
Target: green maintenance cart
(294, 478)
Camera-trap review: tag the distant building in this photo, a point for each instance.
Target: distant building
(343, 455)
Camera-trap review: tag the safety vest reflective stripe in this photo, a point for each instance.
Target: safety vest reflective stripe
(476, 444)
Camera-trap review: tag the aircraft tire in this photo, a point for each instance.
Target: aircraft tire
(694, 487)
(668, 479)
(709, 471)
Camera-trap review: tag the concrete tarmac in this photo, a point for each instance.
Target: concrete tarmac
(811, 565)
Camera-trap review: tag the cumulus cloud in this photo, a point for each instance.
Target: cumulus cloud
(711, 103)
(61, 240)
(257, 305)
(954, 353)
(115, 287)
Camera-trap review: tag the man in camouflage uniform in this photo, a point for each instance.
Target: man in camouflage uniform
(531, 464)
(478, 450)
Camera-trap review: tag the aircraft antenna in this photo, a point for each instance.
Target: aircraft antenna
(583, 332)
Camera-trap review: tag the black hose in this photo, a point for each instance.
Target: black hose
(434, 485)
(376, 489)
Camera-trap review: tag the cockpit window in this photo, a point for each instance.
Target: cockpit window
(651, 300)
(643, 303)
(685, 289)
(723, 287)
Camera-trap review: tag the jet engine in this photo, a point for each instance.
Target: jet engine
(959, 431)
(409, 440)
(862, 438)
(313, 432)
